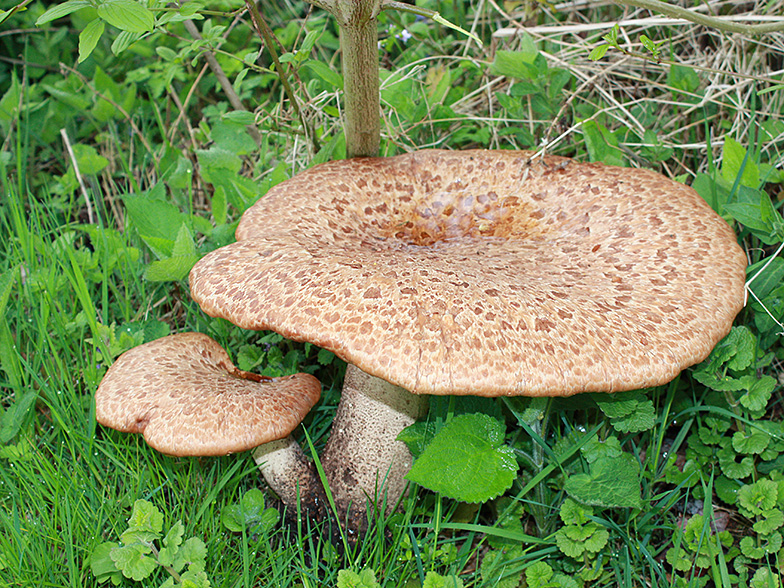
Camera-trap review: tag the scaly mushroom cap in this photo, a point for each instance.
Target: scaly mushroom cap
(484, 272)
(187, 398)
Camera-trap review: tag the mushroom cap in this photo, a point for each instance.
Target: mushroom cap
(187, 398)
(484, 272)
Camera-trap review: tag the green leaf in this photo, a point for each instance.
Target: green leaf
(127, 15)
(467, 460)
(171, 541)
(157, 222)
(759, 392)
(758, 497)
(574, 513)
(249, 513)
(752, 442)
(323, 71)
(133, 561)
(103, 566)
(734, 157)
(612, 482)
(60, 10)
(435, 580)
(144, 524)
(773, 519)
(192, 553)
(598, 52)
(364, 579)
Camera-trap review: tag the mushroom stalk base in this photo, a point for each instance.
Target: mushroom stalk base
(289, 472)
(363, 459)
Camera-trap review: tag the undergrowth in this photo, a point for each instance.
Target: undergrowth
(120, 171)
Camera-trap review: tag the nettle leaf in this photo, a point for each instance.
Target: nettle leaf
(127, 15)
(612, 482)
(467, 460)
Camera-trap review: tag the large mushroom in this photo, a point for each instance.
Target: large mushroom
(480, 272)
(186, 397)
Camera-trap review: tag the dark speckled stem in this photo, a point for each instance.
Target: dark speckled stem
(363, 460)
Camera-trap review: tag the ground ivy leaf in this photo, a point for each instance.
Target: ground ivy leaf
(774, 519)
(133, 562)
(101, 563)
(596, 448)
(618, 405)
(144, 524)
(641, 419)
(171, 543)
(193, 552)
(613, 482)
(598, 539)
(751, 443)
(466, 460)
(758, 394)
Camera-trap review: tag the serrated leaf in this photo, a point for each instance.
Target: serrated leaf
(127, 15)
(364, 579)
(466, 460)
(612, 482)
(772, 520)
(616, 406)
(758, 394)
(101, 563)
(574, 513)
(435, 580)
(61, 10)
(192, 553)
(133, 561)
(171, 541)
(752, 442)
(642, 419)
(172, 269)
(89, 37)
(144, 524)
(758, 497)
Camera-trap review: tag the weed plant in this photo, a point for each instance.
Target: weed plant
(120, 170)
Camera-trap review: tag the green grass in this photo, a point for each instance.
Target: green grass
(73, 295)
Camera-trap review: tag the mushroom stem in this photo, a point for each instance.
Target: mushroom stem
(290, 474)
(363, 460)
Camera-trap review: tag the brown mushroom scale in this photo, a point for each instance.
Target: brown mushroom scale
(484, 272)
(481, 272)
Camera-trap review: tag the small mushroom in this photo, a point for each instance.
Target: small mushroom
(481, 272)
(186, 397)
